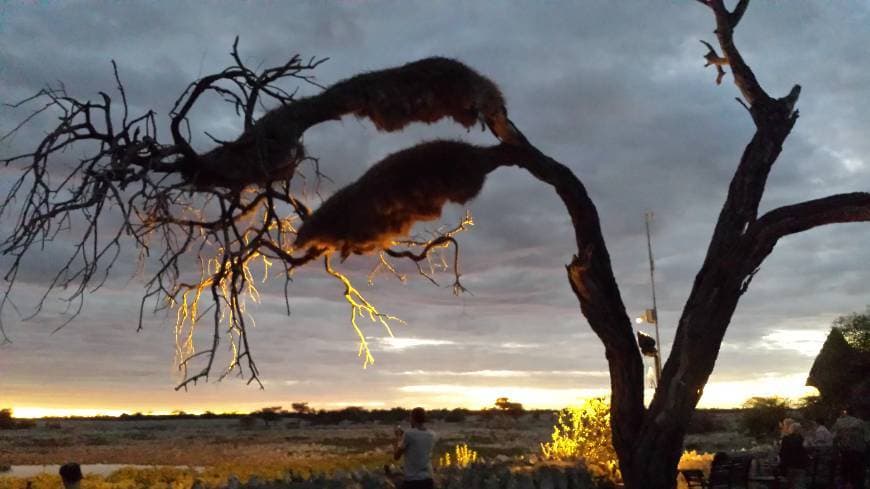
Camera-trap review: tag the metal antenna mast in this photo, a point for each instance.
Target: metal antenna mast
(648, 218)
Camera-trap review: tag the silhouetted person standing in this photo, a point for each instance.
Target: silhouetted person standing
(793, 459)
(822, 437)
(71, 475)
(416, 446)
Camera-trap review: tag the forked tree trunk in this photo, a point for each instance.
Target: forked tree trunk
(649, 440)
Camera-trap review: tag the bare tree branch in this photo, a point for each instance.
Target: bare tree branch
(737, 13)
(796, 218)
(232, 206)
(744, 78)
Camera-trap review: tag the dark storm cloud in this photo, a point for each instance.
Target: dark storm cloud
(615, 90)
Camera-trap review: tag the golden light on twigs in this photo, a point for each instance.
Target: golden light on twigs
(360, 307)
(223, 274)
(229, 276)
(432, 252)
(232, 282)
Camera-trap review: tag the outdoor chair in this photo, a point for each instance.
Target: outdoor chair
(695, 479)
(767, 475)
(730, 472)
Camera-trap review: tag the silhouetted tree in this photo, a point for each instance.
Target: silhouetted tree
(856, 329)
(6, 421)
(235, 207)
(840, 369)
(269, 414)
(301, 407)
(514, 408)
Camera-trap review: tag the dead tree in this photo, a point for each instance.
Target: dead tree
(233, 207)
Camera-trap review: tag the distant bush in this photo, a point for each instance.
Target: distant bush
(301, 407)
(761, 415)
(456, 416)
(131, 417)
(248, 422)
(705, 422)
(6, 421)
(9, 423)
(270, 414)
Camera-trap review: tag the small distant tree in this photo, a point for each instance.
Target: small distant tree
(506, 406)
(762, 415)
(301, 408)
(6, 421)
(269, 414)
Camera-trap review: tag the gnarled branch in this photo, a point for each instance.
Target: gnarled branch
(232, 206)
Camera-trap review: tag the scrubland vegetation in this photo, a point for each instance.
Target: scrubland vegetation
(273, 444)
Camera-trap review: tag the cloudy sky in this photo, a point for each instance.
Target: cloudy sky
(615, 90)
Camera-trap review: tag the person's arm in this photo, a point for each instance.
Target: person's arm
(398, 444)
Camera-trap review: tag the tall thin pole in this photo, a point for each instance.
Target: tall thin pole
(648, 218)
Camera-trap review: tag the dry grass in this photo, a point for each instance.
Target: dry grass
(213, 442)
(221, 447)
